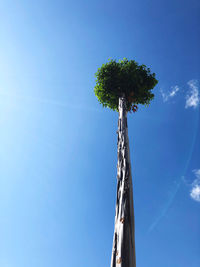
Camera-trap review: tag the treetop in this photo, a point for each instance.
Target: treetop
(124, 78)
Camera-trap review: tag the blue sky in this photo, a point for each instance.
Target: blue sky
(58, 151)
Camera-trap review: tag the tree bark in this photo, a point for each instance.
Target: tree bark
(123, 252)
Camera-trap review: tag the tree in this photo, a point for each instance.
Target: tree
(121, 86)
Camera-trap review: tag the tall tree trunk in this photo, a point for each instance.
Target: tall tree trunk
(123, 252)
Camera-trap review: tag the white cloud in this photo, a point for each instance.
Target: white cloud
(192, 98)
(195, 191)
(170, 94)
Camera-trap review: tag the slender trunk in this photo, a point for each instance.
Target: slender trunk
(123, 252)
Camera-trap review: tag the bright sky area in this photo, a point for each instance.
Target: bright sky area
(58, 146)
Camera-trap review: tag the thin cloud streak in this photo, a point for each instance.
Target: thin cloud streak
(51, 102)
(166, 206)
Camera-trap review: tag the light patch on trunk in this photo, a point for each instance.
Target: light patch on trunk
(124, 233)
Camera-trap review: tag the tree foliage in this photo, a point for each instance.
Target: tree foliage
(124, 78)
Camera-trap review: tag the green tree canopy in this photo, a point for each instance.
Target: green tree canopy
(126, 77)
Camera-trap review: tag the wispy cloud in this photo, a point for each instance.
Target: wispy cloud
(192, 97)
(168, 95)
(195, 191)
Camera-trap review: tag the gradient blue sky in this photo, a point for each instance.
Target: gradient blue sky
(58, 147)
